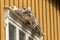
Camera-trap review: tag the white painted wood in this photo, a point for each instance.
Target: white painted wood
(7, 30)
(17, 33)
(7, 24)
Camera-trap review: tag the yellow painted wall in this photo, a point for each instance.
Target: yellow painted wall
(47, 14)
(2, 32)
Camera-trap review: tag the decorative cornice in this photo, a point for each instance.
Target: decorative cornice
(35, 30)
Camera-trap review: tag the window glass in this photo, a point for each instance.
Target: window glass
(12, 32)
(21, 35)
(30, 38)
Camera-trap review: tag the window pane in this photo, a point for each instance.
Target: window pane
(21, 35)
(12, 32)
(30, 38)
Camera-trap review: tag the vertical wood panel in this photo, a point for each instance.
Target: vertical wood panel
(20, 4)
(2, 32)
(55, 25)
(48, 21)
(0, 19)
(52, 32)
(29, 3)
(16, 3)
(6, 2)
(58, 25)
(37, 14)
(33, 9)
(25, 3)
(44, 19)
(11, 3)
(40, 5)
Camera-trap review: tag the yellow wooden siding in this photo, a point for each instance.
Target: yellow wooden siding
(47, 14)
(2, 32)
(48, 21)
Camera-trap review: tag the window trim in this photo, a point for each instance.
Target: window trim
(7, 29)
(17, 30)
(18, 27)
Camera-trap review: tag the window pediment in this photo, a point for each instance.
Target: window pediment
(35, 29)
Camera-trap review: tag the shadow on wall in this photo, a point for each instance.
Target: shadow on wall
(55, 3)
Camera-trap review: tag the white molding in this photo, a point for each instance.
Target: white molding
(17, 33)
(7, 29)
(6, 14)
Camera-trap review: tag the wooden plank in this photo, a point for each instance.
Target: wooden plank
(44, 19)
(2, 32)
(37, 14)
(29, 3)
(48, 21)
(0, 19)
(40, 9)
(25, 3)
(55, 23)
(58, 36)
(52, 26)
(33, 8)
(20, 4)
(11, 3)
(16, 3)
(58, 23)
(6, 3)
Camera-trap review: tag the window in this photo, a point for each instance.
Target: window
(30, 38)
(16, 33)
(12, 32)
(21, 35)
